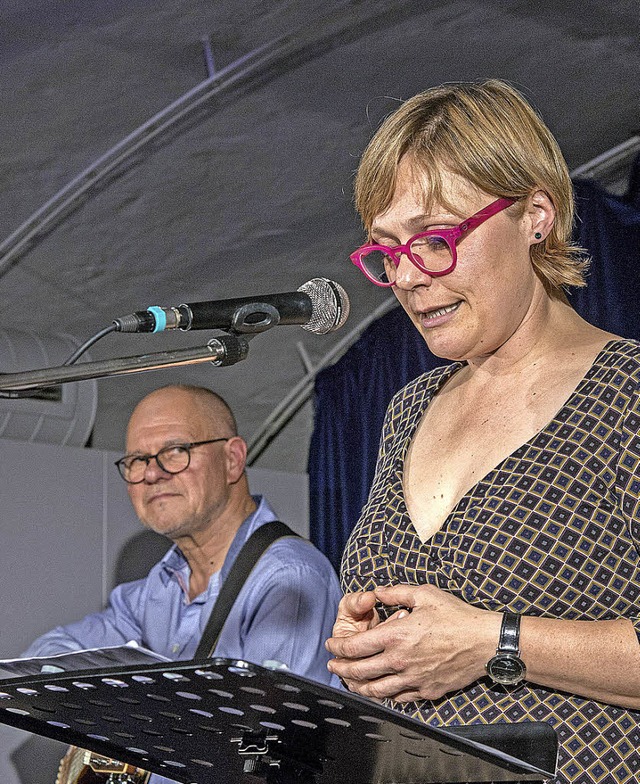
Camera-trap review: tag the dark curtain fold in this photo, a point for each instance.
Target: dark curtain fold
(351, 396)
(609, 228)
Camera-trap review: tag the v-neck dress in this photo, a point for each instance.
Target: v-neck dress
(553, 530)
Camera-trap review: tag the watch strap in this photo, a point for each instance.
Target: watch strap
(509, 641)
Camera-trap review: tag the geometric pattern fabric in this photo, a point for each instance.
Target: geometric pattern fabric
(553, 530)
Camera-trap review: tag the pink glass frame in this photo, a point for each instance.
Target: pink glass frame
(450, 236)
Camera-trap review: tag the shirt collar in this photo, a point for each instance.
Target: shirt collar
(263, 514)
(174, 562)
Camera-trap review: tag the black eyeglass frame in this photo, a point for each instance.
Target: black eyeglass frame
(189, 445)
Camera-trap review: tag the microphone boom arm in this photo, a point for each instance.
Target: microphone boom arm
(220, 351)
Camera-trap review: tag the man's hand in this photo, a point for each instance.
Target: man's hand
(438, 644)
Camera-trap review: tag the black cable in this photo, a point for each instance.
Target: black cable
(70, 361)
(88, 343)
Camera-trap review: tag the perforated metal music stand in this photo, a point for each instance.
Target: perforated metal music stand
(222, 720)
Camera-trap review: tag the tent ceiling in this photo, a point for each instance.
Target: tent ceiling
(253, 195)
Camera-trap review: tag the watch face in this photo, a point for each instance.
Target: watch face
(506, 668)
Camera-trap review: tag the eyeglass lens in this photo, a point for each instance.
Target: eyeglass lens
(432, 253)
(172, 459)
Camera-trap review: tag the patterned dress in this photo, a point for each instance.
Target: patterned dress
(553, 530)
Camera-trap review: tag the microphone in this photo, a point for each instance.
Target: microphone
(319, 305)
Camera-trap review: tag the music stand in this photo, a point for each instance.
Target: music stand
(223, 720)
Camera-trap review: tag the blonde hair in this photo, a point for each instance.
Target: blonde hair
(488, 134)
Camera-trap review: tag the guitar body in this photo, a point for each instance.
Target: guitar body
(79, 766)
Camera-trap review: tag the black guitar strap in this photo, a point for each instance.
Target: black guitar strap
(247, 558)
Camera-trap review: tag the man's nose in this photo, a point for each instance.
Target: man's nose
(154, 471)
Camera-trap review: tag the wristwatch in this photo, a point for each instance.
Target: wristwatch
(506, 667)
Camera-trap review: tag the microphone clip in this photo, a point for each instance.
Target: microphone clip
(254, 318)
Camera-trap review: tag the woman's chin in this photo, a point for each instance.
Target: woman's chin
(445, 346)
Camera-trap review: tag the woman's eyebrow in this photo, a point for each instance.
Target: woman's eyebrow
(413, 225)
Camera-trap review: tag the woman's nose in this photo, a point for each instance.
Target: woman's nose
(408, 275)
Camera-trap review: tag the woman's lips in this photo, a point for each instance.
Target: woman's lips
(437, 316)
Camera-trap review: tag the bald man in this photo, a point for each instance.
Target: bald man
(185, 473)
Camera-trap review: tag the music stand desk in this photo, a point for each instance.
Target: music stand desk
(228, 721)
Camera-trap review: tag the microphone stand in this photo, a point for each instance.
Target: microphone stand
(220, 351)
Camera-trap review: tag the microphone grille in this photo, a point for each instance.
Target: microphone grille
(329, 305)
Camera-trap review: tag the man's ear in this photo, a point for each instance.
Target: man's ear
(236, 454)
(541, 215)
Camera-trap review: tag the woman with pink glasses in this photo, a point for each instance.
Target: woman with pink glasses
(494, 573)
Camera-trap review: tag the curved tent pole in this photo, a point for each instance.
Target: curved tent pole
(355, 19)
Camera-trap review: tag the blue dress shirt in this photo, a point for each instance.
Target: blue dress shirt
(283, 614)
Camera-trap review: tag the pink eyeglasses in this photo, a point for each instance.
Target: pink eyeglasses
(433, 251)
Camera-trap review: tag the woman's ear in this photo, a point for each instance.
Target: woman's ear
(540, 214)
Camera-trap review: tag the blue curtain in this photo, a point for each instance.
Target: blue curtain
(609, 228)
(351, 396)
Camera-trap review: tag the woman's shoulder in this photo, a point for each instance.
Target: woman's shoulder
(621, 353)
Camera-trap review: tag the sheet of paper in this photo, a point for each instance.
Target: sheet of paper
(90, 659)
